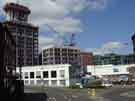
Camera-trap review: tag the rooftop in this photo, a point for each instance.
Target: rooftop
(62, 47)
(15, 6)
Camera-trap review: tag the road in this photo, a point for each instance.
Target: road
(54, 94)
(64, 94)
(119, 94)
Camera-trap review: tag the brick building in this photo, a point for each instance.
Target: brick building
(86, 59)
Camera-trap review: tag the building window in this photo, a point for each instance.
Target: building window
(115, 70)
(62, 83)
(32, 82)
(39, 82)
(26, 82)
(53, 74)
(26, 75)
(62, 73)
(45, 74)
(54, 82)
(31, 75)
(46, 82)
(38, 74)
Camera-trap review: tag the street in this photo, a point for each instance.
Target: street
(120, 94)
(53, 94)
(64, 94)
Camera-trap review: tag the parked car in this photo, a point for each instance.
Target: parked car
(107, 83)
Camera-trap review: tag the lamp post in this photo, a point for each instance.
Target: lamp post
(42, 79)
(20, 63)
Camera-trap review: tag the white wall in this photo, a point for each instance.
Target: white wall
(100, 70)
(39, 81)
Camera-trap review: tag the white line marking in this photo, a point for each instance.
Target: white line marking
(69, 99)
(52, 98)
(65, 97)
(74, 96)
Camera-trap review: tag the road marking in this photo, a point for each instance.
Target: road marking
(74, 96)
(52, 98)
(69, 99)
(65, 97)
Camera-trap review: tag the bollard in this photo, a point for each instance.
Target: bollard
(93, 92)
(89, 93)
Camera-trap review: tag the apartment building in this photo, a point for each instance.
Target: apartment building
(61, 55)
(7, 54)
(24, 34)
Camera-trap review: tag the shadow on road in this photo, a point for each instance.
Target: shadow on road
(34, 97)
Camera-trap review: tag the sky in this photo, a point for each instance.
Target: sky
(100, 26)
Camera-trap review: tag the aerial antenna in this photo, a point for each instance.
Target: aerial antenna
(60, 35)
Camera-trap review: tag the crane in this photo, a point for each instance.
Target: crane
(60, 35)
(72, 40)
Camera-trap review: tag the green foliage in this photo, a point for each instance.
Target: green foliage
(74, 87)
(94, 84)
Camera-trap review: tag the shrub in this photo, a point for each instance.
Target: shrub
(94, 84)
(74, 86)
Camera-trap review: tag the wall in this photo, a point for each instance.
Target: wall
(108, 69)
(74, 74)
(86, 59)
(61, 79)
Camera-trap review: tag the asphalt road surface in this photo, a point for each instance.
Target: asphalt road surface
(62, 94)
(116, 94)
(53, 94)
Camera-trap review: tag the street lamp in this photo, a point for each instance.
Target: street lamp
(42, 79)
(20, 63)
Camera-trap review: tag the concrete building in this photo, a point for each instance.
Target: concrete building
(7, 56)
(61, 55)
(112, 72)
(51, 75)
(24, 33)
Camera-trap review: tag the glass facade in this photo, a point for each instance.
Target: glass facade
(114, 59)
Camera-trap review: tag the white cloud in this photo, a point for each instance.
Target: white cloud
(45, 42)
(113, 45)
(108, 47)
(68, 25)
(98, 4)
(65, 25)
(58, 11)
(58, 14)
